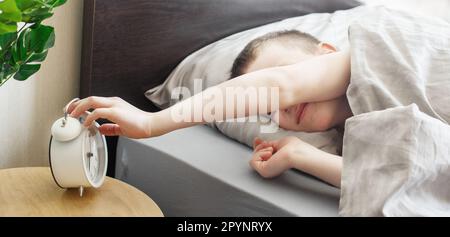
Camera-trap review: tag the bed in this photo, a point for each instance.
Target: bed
(189, 175)
(131, 46)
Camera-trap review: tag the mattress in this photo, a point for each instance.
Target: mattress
(199, 172)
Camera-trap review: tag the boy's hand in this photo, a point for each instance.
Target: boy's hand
(127, 120)
(271, 158)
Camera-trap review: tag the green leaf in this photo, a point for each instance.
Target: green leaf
(26, 71)
(27, 4)
(7, 71)
(56, 3)
(37, 15)
(31, 46)
(38, 10)
(6, 40)
(6, 43)
(9, 12)
(32, 42)
(20, 52)
(34, 10)
(42, 37)
(38, 57)
(7, 28)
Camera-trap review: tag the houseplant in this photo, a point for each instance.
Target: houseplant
(24, 40)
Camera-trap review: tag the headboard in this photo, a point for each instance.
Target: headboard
(130, 46)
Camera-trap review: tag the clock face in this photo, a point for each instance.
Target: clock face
(94, 154)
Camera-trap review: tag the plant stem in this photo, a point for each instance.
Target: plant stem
(3, 82)
(22, 28)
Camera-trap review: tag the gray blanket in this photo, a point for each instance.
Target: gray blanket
(396, 149)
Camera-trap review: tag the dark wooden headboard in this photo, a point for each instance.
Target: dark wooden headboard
(130, 46)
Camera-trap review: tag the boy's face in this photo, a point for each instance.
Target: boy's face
(305, 117)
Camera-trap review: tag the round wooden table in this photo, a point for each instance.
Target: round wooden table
(33, 192)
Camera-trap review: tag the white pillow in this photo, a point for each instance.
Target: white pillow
(213, 64)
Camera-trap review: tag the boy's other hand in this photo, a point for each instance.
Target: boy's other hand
(126, 119)
(272, 158)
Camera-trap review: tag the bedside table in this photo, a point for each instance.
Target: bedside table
(33, 192)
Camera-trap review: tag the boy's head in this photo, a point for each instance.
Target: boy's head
(285, 48)
(278, 49)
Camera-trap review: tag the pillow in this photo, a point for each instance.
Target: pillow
(213, 63)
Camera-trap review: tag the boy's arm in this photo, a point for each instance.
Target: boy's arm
(272, 158)
(323, 165)
(321, 78)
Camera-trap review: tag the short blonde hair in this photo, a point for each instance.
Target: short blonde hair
(289, 38)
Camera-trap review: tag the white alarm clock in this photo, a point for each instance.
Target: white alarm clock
(78, 155)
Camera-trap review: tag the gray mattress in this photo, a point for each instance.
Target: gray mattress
(199, 172)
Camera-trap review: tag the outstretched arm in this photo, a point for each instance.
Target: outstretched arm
(320, 78)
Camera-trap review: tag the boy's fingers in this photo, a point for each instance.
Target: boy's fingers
(266, 155)
(258, 147)
(275, 144)
(254, 161)
(259, 166)
(262, 146)
(256, 142)
(73, 105)
(99, 113)
(92, 102)
(110, 129)
(261, 156)
(266, 149)
(264, 152)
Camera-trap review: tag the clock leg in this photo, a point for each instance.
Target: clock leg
(81, 189)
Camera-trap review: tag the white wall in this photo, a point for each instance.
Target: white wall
(28, 109)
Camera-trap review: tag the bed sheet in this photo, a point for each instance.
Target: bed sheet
(199, 172)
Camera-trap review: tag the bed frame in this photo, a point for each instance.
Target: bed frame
(130, 46)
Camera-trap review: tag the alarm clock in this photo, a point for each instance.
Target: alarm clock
(78, 155)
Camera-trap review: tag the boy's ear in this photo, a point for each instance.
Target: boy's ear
(325, 48)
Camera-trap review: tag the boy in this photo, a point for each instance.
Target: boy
(311, 77)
